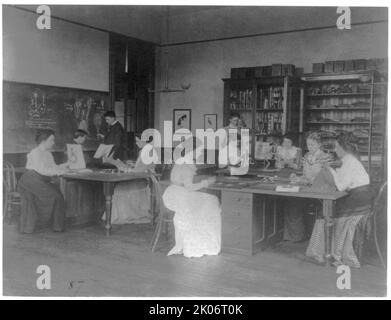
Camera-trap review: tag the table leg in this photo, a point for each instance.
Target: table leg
(63, 186)
(108, 190)
(328, 213)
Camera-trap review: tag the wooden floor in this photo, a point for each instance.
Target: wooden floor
(84, 262)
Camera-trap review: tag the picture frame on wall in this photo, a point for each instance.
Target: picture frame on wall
(181, 119)
(210, 121)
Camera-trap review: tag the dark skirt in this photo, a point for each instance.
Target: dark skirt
(42, 203)
(357, 202)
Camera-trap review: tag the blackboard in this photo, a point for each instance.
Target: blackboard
(29, 107)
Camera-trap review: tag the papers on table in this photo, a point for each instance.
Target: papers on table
(103, 150)
(78, 171)
(75, 156)
(287, 188)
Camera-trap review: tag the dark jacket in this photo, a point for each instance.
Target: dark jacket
(116, 136)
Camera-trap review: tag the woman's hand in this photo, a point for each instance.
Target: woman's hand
(64, 165)
(100, 136)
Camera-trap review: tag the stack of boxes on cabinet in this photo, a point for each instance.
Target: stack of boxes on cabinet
(338, 96)
(350, 96)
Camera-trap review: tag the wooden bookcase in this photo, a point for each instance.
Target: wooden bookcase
(350, 101)
(269, 106)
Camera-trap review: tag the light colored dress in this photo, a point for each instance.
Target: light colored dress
(353, 178)
(132, 200)
(197, 219)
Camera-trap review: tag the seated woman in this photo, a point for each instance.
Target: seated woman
(131, 201)
(287, 154)
(197, 219)
(353, 178)
(313, 162)
(41, 201)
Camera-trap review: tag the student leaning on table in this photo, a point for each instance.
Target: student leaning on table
(352, 178)
(41, 201)
(132, 200)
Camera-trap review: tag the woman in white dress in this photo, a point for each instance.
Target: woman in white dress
(197, 219)
(132, 200)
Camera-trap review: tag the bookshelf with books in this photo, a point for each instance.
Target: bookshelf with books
(350, 101)
(269, 106)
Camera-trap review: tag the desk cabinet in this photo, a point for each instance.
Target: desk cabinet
(250, 222)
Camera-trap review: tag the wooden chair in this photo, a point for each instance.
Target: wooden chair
(11, 196)
(162, 214)
(368, 226)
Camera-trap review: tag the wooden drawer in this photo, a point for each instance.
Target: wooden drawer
(236, 235)
(236, 200)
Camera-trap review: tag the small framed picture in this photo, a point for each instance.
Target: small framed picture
(182, 119)
(210, 121)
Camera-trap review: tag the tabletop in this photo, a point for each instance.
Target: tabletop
(255, 184)
(105, 175)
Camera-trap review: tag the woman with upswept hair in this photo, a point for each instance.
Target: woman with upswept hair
(197, 219)
(42, 202)
(351, 177)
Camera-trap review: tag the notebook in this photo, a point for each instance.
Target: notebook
(103, 150)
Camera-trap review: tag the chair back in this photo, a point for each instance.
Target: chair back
(9, 177)
(377, 201)
(158, 190)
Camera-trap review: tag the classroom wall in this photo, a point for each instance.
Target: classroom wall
(205, 64)
(67, 55)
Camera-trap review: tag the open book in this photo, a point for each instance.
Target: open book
(103, 150)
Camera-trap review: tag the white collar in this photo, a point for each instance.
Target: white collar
(346, 157)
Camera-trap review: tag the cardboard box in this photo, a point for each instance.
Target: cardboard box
(371, 64)
(359, 64)
(250, 73)
(329, 66)
(266, 71)
(318, 67)
(288, 69)
(276, 69)
(382, 64)
(299, 72)
(339, 66)
(234, 73)
(349, 65)
(258, 72)
(242, 73)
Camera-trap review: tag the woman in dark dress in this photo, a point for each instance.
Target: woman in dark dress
(41, 201)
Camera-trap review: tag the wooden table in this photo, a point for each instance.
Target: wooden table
(109, 178)
(246, 203)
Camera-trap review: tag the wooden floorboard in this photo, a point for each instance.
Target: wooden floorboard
(84, 262)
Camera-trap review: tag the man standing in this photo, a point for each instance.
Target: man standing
(115, 135)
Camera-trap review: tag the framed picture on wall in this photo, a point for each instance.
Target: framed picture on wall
(210, 121)
(182, 119)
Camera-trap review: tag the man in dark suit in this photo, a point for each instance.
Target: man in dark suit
(115, 135)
